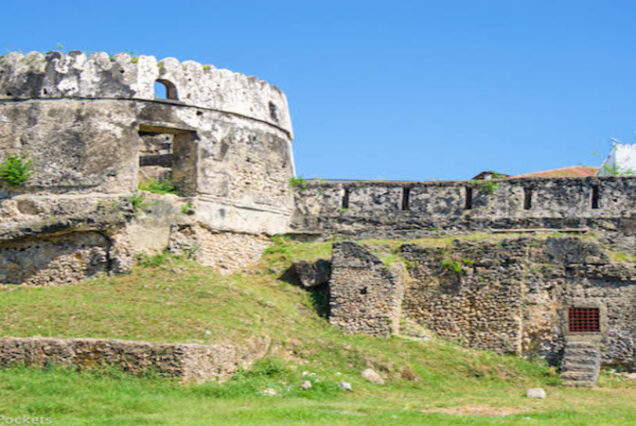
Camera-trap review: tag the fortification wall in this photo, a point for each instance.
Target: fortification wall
(508, 296)
(364, 295)
(94, 130)
(379, 209)
(121, 76)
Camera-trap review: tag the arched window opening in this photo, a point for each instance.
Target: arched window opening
(164, 89)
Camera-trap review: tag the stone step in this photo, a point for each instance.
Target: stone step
(589, 369)
(579, 376)
(579, 361)
(579, 343)
(585, 353)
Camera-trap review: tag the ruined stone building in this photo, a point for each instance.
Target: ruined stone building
(94, 129)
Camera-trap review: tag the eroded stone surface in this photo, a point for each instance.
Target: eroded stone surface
(123, 77)
(510, 296)
(94, 131)
(189, 362)
(364, 295)
(411, 209)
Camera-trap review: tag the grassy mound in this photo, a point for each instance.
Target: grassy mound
(175, 300)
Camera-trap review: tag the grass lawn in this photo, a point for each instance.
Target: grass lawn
(172, 300)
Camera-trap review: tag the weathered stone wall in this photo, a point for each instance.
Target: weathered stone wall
(55, 260)
(397, 209)
(93, 129)
(509, 296)
(60, 241)
(238, 167)
(75, 146)
(75, 75)
(364, 295)
(188, 362)
(479, 306)
(226, 252)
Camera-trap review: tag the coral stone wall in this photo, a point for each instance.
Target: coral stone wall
(364, 295)
(85, 122)
(55, 260)
(479, 306)
(508, 296)
(187, 362)
(397, 209)
(224, 251)
(76, 75)
(94, 129)
(75, 146)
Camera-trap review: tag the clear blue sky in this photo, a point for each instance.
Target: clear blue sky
(392, 90)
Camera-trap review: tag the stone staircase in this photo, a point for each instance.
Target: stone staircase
(581, 362)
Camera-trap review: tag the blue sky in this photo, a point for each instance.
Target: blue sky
(392, 90)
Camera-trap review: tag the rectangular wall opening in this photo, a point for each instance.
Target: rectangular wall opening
(595, 197)
(527, 198)
(406, 193)
(155, 156)
(584, 320)
(469, 198)
(168, 154)
(345, 199)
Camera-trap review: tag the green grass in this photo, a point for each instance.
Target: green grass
(163, 186)
(175, 300)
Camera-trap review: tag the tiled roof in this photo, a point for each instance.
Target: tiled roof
(572, 171)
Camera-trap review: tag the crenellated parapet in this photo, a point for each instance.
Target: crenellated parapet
(100, 76)
(379, 209)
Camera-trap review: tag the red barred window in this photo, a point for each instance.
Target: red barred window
(584, 320)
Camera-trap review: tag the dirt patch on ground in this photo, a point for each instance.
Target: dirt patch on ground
(478, 410)
(624, 391)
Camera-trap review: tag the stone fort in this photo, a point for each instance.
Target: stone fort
(560, 272)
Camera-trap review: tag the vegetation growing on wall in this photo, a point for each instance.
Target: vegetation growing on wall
(487, 186)
(158, 186)
(137, 201)
(616, 170)
(16, 169)
(298, 182)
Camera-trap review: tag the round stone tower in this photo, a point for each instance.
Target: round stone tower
(97, 128)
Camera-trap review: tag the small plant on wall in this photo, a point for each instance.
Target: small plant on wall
(453, 265)
(298, 182)
(486, 186)
(158, 186)
(16, 169)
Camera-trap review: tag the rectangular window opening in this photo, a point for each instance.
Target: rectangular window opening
(527, 198)
(406, 192)
(584, 320)
(168, 154)
(595, 197)
(469, 198)
(345, 199)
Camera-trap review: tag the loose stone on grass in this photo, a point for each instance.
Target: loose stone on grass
(536, 393)
(345, 386)
(372, 376)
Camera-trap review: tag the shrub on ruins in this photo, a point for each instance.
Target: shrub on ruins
(616, 170)
(298, 182)
(137, 201)
(158, 186)
(16, 169)
(453, 265)
(487, 186)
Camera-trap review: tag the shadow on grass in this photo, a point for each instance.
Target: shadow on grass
(319, 294)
